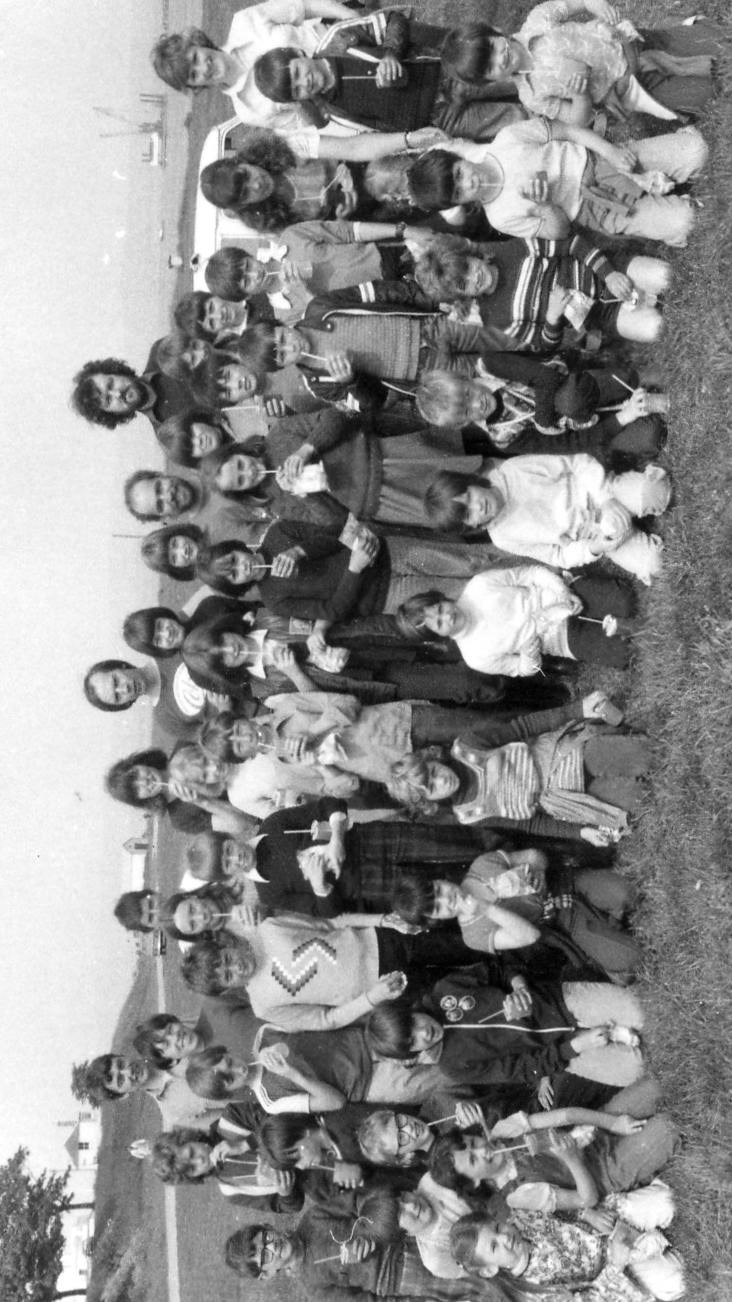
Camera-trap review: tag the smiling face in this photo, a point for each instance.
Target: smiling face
(118, 686)
(168, 634)
(161, 496)
(288, 346)
(236, 383)
(272, 1251)
(235, 651)
(504, 58)
(425, 1033)
(221, 314)
(444, 618)
(182, 551)
(448, 898)
(206, 67)
(239, 474)
(253, 274)
(204, 438)
(442, 781)
(499, 1247)
(255, 184)
(177, 1041)
(476, 183)
(310, 77)
(239, 565)
(479, 278)
(193, 1159)
(234, 967)
(236, 858)
(478, 1160)
(145, 781)
(194, 915)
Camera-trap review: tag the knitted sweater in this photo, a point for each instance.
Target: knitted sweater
(312, 975)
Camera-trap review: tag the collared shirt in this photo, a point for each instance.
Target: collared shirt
(271, 25)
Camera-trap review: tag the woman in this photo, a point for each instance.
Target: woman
(190, 435)
(159, 631)
(173, 550)
(506, 620)
(269, 188)
(555, 773)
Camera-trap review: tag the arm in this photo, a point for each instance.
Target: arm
(368, 145)
(327, 9)
(513, 931)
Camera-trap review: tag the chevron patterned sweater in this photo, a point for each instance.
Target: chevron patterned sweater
(312, 975)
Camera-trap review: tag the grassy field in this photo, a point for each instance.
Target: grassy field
(679, 690)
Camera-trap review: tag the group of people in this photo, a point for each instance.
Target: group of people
(415, 487)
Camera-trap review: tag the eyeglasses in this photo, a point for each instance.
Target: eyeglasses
(266, 1254)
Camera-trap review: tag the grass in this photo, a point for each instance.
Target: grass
(679, 690)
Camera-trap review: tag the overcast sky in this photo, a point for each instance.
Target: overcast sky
(84, 275)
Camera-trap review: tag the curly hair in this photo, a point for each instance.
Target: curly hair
(204, 1074)
(166, 1162)
(84, 396)
(221, 184)
(198, 966)
(442, 263)
(147, 1037)
(105, 667)
(409, 781)
(170, 55)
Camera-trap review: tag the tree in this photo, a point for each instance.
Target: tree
(80, 1084)
(31, 1231)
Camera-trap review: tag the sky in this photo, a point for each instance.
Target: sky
(85, 235)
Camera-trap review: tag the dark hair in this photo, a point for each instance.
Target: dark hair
(206, 571)
(165, 1154)
(176, 434)
(94, 1078)
(139, 628)
(442, 1165)
(431, 179)
(198, 966)
(578, 396)
(212, 463)
(84, 396)
(272, 74)
(216, 892)
(256, 348)
(410, 616)
(198, 858)
(202, 1075)
(224, 267)
(201, 653)
(221, 184)
(120, 785)
(207, 380)
(188, 314)
(279, 1134)
(440, 504)
(388, 1031)
(128, 911)
(378, 1213)
(467, 50)
(105, 667)
(145, 1037)
(239, 1249)
(414, 899)
(170, 54)
(154, 550)
(169, 356)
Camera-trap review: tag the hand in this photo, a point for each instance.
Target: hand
(517, 1005)
(634, 407)
(593, 705)
(599, 1219)
(514, 1126)
(274, 1058)
(467, 1115)
(294, 465)
(275, 407)
(561, 1143)
(620, 286)
(364, 554)
(347, 206)
(283, 657)
(339, 367)
(623, 157)
(316, 643)
(347, 1174)
(330, 751)
(599, 836)
(356, 1250)
(387, 988)
(626, 1125)
(286, 564)
(576, 84)
(545, 1093)
(395, 923)
(594, 1038)
(537, 191)
(295, 750)
(557, 302)
(250, 915)
(332, 659)
(388, 71)
(425, 137)
(184, 791)
(284, 1181)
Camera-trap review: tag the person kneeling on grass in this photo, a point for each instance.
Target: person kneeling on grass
(227, 1152)
(564, 511)
(587, 906)
(506, 620)
(531, 1253)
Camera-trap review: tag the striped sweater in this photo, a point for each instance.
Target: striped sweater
(528, 270)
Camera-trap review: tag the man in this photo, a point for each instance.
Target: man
(117, 684)
(114, 1076)
(150, 495)
(189, 60)
(108, 392)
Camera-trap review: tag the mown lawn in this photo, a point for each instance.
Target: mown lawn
(679, 690)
